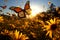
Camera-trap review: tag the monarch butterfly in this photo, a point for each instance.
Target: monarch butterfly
(21, 12)
(3, 7)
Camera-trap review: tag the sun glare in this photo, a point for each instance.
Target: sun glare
(35, 10)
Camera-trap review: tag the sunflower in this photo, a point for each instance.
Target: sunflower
(20, 36)
(16, 35)
(52, 28)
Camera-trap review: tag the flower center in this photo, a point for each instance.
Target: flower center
(53, 26)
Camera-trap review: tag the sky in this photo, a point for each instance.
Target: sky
(38, 4)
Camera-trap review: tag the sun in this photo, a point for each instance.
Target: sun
(35, 10)
(52, 28)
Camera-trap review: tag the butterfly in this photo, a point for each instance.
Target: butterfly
(21, 12)
(3, 7)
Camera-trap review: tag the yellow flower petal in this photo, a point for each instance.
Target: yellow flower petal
(47, 33)
(48, 22)
(51, 21)
(47, 27)
(16, 34)
(54, 20)
(50, 33)
(20, 35)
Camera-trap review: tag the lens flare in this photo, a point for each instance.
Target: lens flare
(35, 10)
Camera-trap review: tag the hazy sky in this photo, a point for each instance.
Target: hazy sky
(21, 3)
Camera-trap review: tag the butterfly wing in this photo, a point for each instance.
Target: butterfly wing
(4, 7)
(12, 8)
(27, 7)
(17, 9)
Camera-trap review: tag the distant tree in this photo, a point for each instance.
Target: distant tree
(0, 11)
(52, 7)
